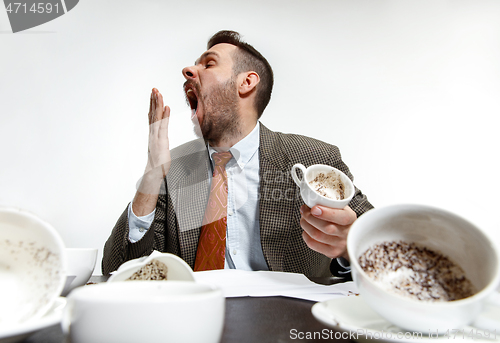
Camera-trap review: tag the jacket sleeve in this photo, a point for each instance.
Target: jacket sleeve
(359, 204)
(119, 249)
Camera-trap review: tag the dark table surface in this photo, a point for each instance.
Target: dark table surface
(249, 319)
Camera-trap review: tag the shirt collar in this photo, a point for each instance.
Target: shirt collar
(243, 150)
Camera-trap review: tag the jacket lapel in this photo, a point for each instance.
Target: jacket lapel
(277, 205)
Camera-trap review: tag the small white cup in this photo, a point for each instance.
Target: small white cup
(81, 264)
(310, 196)
(146, 312)
(438, 230)
(32, 267)
(178, 269)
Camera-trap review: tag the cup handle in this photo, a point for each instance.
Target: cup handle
(294, 173)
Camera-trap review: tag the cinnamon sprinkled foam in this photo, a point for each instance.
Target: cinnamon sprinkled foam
(416, 272)
(154, 270)
(329, 185)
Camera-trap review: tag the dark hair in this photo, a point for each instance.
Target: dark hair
(246, 58)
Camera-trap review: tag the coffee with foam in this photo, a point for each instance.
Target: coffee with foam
(328, 185)
(416, 272)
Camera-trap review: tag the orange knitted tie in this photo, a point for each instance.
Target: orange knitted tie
(211, 250)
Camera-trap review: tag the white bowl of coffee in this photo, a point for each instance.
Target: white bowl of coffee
(422, 268)
(146, 312)
(32, 267)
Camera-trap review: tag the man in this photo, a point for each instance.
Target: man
(267, 225)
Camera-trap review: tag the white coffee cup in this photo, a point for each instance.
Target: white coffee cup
(310, 196)
(145, 311)
(440, 231)
(177, 268)
(81, 264)
(32, 267)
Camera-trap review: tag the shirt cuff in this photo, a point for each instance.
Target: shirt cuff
(138, 226)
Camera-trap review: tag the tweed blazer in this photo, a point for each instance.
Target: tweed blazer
(177, 223)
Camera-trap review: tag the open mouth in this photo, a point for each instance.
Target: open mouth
(192, 99)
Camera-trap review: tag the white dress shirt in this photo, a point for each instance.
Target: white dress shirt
(243, 246)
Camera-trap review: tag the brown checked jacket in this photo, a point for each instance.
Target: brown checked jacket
(181, 204)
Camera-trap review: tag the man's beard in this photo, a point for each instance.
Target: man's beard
(221, 120)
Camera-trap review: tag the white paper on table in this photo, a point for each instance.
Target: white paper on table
(241, 283)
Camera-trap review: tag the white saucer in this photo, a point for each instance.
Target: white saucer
(358, 321)
(21, 331)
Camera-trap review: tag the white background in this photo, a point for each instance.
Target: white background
(408, 90)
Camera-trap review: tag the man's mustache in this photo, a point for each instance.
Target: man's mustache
(191, 83)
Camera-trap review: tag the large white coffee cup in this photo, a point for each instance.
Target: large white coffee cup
(310, 196)
(145, 311)
(32, 267)
(438, 230)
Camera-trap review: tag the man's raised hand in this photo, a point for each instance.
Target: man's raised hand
(158, 156)
(158, 148)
